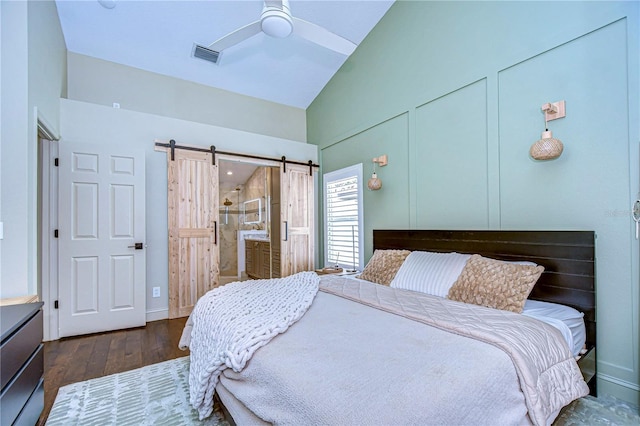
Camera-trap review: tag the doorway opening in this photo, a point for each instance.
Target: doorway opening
(249, 215)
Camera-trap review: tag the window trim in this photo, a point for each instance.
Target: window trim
(354, 170)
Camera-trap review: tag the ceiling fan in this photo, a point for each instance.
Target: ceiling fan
(276, 21)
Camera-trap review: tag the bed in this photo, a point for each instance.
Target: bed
(364, 353)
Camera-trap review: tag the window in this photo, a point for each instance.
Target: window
(343, 217)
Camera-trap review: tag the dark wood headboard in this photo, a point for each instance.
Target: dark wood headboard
(568, 258)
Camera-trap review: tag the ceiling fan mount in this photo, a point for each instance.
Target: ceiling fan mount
(276, 21)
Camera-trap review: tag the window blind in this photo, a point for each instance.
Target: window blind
(342, 221)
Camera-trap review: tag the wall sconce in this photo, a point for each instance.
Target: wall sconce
(375, 183)
(548, 147)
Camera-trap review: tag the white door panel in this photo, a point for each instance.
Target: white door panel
(101, 217)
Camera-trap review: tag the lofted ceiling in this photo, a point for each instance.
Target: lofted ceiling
(159, 36)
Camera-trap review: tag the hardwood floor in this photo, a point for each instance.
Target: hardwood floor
(81, 358)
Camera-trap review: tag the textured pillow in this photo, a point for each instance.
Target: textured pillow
(383, 265)
(429, 272)
(495, 284)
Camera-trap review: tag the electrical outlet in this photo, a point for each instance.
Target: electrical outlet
(156, 292)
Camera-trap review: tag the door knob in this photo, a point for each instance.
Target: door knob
(137, 246)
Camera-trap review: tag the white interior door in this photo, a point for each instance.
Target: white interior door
(101, 214)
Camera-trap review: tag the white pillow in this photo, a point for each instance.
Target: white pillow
(429, 272)
(569, 321)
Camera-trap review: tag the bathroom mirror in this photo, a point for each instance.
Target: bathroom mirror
(252, 210)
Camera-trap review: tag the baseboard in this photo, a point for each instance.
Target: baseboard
(621, 389)
(157, 314)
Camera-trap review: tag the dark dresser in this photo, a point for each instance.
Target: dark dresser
(21, 364)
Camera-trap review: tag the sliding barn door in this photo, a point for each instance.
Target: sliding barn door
(297, 227)
(193, 218)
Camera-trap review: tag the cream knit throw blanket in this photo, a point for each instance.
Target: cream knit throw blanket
(231, 322)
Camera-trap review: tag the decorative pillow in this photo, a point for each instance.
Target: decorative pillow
(429, 272)
(495, 284)
(383, 265)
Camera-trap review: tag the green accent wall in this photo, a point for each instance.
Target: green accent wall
(452, 93)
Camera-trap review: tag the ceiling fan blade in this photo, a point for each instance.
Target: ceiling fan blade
(322, 36)
(235, 37)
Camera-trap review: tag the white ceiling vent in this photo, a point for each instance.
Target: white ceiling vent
(206, 53)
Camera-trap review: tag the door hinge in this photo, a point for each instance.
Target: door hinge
(55, 304)
(56, 162)
(55, 233)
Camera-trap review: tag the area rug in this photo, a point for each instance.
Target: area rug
(157, 394)
(604, 410)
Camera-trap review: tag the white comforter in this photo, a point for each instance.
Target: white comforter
(229, 323)
(348, 363)
(549, 376)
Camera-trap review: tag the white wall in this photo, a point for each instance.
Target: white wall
(96, 124)
(47, 61)
(15, 122)
(33, 74)
(1, 138)
(103, 82)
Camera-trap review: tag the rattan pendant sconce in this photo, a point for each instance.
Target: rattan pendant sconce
(548, 147)
(375, 183)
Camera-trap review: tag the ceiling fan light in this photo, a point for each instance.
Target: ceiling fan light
(107, 4)
(276, 23)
